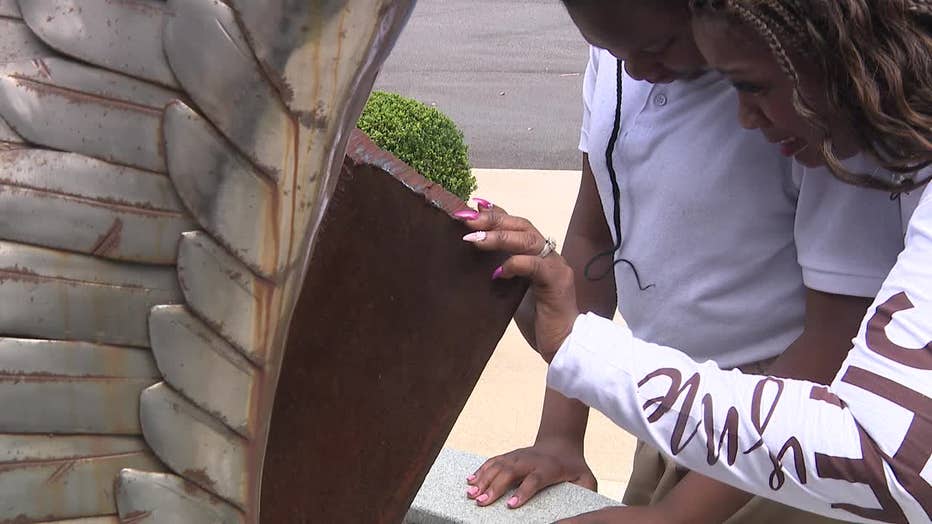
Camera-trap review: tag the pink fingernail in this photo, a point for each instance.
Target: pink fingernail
(512, 502)
(473, 491)
(467, 214)
(498, 273)
(482, 498)
(477, 236)
(471, 478)
(483, 203)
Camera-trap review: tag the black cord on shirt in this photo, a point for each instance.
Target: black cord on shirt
(616, 194)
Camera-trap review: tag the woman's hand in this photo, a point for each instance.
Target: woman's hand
(551, 277)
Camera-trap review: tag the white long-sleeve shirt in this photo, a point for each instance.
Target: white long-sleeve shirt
(857, 450)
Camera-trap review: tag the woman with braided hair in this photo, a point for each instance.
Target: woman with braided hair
(822, 80)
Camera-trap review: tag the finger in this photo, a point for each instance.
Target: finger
(482, 476)
(493, 219)
(509, 475)
(471, 479)
(509, 241)
(485, 479)
(530, 486)
(550, 271)
(484, 205)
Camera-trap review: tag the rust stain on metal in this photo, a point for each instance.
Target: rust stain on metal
(109, 240)
(17, 274)
(80, 97)
(191, 488)
(113, 204)
(42, 377)
(295, 166)
(60, 472)
(285, 91)
(70, 461)
(272, 241)
(42, 67)
(316, 119)
(263, 319)
(200, 477)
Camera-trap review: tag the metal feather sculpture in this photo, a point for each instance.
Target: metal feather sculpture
(163, 170)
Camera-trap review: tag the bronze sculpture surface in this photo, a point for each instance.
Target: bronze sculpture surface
(185, 336)
(165, 169)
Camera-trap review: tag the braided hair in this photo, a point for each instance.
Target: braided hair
(875, 62)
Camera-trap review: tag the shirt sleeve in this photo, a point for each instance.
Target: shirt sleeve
(760, 434)
(589, 82)
(847, 238)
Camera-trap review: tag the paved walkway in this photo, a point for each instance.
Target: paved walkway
(509, 74)
(503, 412)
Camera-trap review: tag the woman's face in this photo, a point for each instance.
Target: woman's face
(653, 38)
(765, 92)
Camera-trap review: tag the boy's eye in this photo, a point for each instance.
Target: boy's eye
(748, 87)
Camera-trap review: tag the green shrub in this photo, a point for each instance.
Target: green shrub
(422, 137)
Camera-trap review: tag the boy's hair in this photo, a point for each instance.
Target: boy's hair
(875, 62)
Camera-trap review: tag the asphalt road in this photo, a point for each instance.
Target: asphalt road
(508, 72)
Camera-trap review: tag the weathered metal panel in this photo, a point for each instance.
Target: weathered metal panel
(92, 131)
(77, 203)
(155, 498)
(187, 350)
(121, 35)
(376, 373)
(195, 445)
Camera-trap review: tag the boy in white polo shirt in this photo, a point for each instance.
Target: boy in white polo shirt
(716, 231)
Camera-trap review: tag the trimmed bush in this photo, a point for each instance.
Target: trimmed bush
(420, 136)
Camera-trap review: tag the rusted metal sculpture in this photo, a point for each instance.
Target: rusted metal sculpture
(374, 378)
(164, 170)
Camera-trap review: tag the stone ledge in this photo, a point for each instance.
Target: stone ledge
(442, 498)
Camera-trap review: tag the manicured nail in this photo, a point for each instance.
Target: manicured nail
(498, 273)
(466, 214)
(473, 491)
(482, 498)
(477, 236)
(483, 203)
(471, 478)
(512, 502)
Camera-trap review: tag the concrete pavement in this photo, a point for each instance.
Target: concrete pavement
(509, 73)
(503, 412)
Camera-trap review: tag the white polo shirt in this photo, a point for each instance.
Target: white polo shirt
(726, 229)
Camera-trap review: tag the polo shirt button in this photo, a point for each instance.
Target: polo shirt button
(660, 100)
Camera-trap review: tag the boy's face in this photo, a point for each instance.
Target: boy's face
(654, 38)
